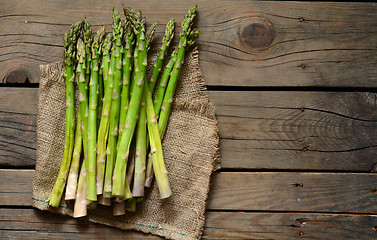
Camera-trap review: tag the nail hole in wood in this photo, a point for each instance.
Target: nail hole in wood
(298, 185)
(305, 149)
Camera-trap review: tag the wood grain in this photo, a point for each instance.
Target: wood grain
(248, 191)
(254, 43)
(18, 120)
(258, 130)
(34, 224)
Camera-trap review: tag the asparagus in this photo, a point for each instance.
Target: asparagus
(131, 205)
(115, 102)
(108, 76)
(163, 100)
(80, 209)
(87, 33)
(156, 148)
(100, 88)
(84, 111)
(163, 83)
(104, 201)
(70, 192)
(140, 153)
(157, 107)
(69, 55)
(127, 69)
(142, 141)
(169, 34)
(187, 38)
(119, 208)
(131, 162)
(119, 177)
(92, 118)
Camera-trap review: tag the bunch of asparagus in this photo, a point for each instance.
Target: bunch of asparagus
(119, 127)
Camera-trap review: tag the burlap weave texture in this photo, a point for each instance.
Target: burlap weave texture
(190, 150)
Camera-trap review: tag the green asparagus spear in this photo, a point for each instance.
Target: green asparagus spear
(140, 153)
(163, 100)
(163, 83)
(169, 34)
(70, 192)
(69, 55)
(157, 107)
(156, 149)
(119, 177)
(103, 130)
(92, 118)
(100, 86)
(187, 38)
(84, 111)
(142, 140)
(87, 33)
(127, 69)
(115, 103)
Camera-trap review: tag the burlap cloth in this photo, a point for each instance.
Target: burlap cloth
(190, 151)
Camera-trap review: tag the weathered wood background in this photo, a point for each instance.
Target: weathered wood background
(294, 85)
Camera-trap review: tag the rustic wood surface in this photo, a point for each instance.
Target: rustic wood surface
(32, 224)
(252, 43)
(253, 191)
(294, 87)
(258, 130)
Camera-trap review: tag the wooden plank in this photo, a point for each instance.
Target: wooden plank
(252, 43)
(16, 189)
(269, 191)
(258, 130)
(35, 224)
(18, 120)
(297, 130)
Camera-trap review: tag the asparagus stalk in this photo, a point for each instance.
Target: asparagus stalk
(69, 54)
(84, 111)
(156, 148)
(92, 118)
(140, 153)
(169, 34)
(119, 208)
(127, 69)
(70, 192)
(119, 177)
(131, 205)
(141, 133)
(115, 103)
(100, 88)
(163, 83)
(87, 33)
(157, 107)
(187, 38)
(131, 161)
(80, 209)
(104, 201)
(108, 76)
(163, 101)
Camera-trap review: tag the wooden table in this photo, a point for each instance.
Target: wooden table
(294, 85)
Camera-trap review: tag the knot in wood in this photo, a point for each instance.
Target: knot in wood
(257, 33)
(18, 75)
